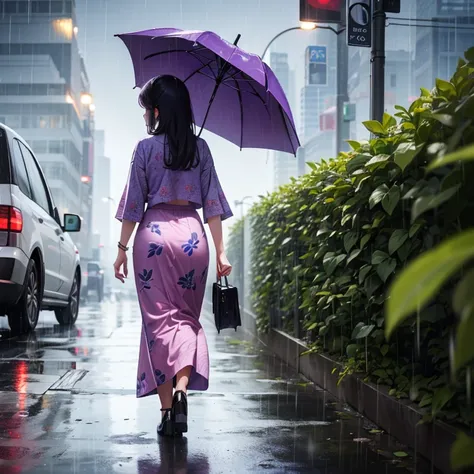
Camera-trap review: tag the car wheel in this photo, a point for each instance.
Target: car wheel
(23, 318)
(68, 316)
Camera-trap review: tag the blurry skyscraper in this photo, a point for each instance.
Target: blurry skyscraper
(285, 165)
(45, 97)
(441, 43)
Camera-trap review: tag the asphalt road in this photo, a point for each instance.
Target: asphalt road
(67, 405)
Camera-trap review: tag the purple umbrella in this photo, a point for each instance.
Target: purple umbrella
(234, 93)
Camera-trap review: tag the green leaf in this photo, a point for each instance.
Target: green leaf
(406, 153)
(426, 400)
(388, 121)
(464, 348)
(464, 154)
(378, 257)
(378, 195)
(462, 452)
(426, 203)
(386, 268)
(375, 127)
(364, 271)
(354, 254)
(445, 119)
(469, 54)
(425, 92)
(384, 349)
(376, 161)
(440, 398)
(414, 229)
(423, 278)
(353, 144)
(391, 199)
(400, 454)
(357, 162)
(397, 239)
(446, 88)
(364, 240)
(312, 326)
(351, 350)
(364, 331)
(350, 239)
(286, 241)
(463, 296)
(330, 262)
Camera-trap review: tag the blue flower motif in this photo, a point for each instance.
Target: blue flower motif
(146, 278)
(151, 344)
(191, 245)
(188, 282)
(155, 228)
(142, 386)
(160, 377)
(204, 275)
(155, 249)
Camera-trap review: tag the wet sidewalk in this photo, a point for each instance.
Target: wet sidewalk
(67, 405)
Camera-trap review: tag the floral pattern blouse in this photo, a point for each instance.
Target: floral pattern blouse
(151, 183)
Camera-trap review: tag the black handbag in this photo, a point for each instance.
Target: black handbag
(225, 305)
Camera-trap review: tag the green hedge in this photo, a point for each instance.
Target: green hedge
(327, 247)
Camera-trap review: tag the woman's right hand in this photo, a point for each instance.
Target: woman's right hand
(224, 268)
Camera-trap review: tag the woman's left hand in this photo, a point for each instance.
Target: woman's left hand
(121, 261)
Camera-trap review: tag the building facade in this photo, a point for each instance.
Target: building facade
(103, 204)
(285, 165)
(45, 97)
(438, 48)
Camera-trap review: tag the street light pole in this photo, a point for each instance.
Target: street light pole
(304, 27)
(242, 253)
(377, 63)
(342, 94)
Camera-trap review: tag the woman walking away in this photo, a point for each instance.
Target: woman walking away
(172, 172)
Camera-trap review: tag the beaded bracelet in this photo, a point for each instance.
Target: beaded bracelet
(122, 247)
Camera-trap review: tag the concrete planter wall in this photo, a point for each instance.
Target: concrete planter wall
(398, 418)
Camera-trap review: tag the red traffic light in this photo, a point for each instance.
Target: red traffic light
(333, 5)
(321, 11)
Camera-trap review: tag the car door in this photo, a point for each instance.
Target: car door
(50, 230)
(68, 261)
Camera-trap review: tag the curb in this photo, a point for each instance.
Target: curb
(397, 417)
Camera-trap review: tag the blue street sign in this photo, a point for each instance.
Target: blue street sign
(317, 54)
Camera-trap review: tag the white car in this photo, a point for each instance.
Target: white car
(39, 264)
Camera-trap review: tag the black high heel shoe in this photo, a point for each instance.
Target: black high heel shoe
(179, 412)
(166, 427)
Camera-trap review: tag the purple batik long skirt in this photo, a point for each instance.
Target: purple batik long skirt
(171, 261)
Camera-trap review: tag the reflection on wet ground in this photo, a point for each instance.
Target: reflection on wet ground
(67, 405)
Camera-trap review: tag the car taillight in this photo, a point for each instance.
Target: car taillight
(11, 219)
(86, 274)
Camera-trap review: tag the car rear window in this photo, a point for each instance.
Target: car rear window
(93, 267)
(5, 176)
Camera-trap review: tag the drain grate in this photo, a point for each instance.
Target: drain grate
(68, 380)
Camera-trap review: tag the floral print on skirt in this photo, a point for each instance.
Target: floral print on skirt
(171, 261)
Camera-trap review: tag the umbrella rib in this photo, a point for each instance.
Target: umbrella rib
(199, 71)
(159, 53)
(239, 92)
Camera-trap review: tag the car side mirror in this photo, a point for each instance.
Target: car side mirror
(72, 223)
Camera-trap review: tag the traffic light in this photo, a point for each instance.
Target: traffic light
(321, 11)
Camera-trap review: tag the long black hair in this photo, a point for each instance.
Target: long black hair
(175, 120)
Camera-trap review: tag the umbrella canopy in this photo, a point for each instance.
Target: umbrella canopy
(234, 93)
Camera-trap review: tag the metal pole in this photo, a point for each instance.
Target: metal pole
(341, 85)
(377, 84)
(242, 266)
